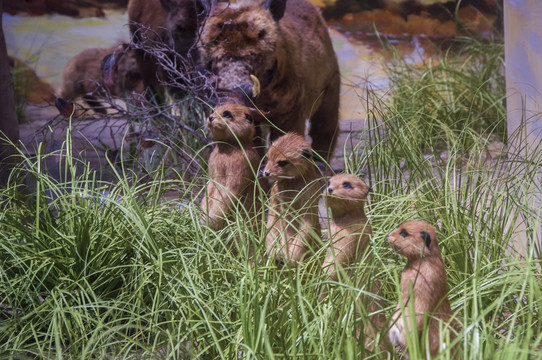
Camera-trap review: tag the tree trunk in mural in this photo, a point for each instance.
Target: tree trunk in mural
(9, 125)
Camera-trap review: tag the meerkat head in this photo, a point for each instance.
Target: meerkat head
(346, 192)
(231, 122)
(289, 157)
(414, 239)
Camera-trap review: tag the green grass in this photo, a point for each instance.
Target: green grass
(481, 206)
(108, 270)
(462, 88)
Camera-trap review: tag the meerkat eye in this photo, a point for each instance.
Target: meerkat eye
(403, 233)
(347, 185)
(282, 163)
(261, 34)
(227, 114)
(249, 118)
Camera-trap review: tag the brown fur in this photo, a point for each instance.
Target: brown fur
(82, 73)
(147, 19)
(290, 52)
(292, 220)
(173, 22)
(349, 233)
(425, 274)
(233, 165)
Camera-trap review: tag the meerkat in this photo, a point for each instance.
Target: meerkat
(292, 220)
(349, 232)
(349, 229)
(233, 164)
(424, 287)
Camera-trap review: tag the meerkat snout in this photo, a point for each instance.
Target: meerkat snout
(211, 118)
(330, 190)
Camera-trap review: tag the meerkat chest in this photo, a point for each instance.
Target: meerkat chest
(224, 164)
(420, 284)
(352, 239)
(354, 229)
(293, 196)
(338, 232)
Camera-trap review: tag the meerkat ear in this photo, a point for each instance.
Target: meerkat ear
(307, 154)
(249, 118)
(426, 238)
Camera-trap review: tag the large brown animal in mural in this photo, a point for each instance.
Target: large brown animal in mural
(172, 22)
(82, 76)
(286, 46)
(278, 53)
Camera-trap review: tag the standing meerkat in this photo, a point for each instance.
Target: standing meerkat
(424, 273)
(292, 220)
(233, 165)
(349, 233)
(349, 229)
